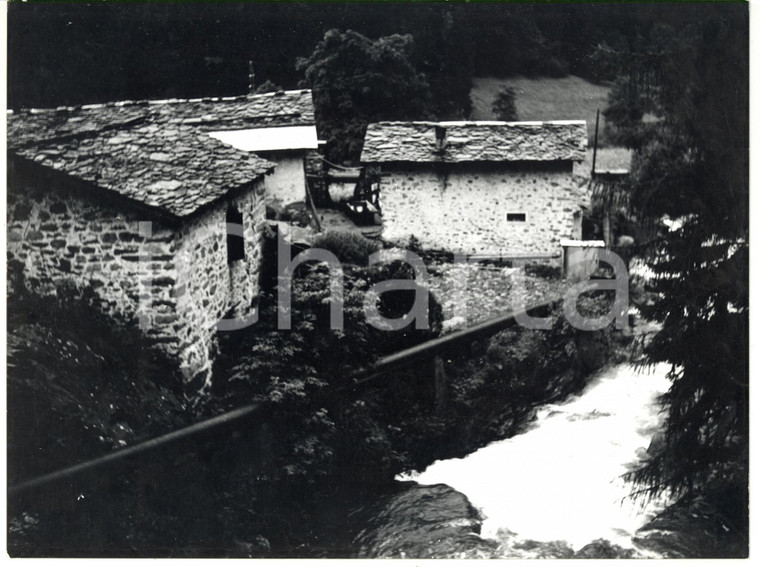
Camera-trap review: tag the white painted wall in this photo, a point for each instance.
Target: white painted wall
(287, 184)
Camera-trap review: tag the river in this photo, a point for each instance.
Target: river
(546, 492)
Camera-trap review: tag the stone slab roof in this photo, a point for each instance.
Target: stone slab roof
(156, 152)
(614, 161)
(474, 141)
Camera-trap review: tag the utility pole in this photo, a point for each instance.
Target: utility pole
(606, 194)
(596, 138)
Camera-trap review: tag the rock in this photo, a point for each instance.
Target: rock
(593, 349)
(511, 547)
(160, 156)
(454, 324)
(542, 550)
(603, 549)
(694, 529)
(424, 522)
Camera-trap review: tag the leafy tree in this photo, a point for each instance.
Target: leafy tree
(305, 374)
(504, 105)
(692, 165)
(438, 40)
(357, 80)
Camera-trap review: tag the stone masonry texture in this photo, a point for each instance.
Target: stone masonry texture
(174, 279)
(131, 199)
(463, 207)
(459, 142)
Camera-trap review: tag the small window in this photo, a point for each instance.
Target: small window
(235, 242)
(515, 217)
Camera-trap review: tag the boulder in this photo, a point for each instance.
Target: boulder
(603, 549)
(593, 349)
(424, 522)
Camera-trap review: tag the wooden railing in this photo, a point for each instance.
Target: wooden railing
(430, 351)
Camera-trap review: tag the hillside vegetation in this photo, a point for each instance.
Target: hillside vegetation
(544, 98)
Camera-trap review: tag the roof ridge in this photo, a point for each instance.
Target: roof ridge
(279, 93)
(154, 102)
(484, 140)
(479, 122)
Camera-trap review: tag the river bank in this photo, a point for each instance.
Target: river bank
(498, 389)
(267, 502)
(554, 490)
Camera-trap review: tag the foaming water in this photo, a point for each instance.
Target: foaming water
(560, 481)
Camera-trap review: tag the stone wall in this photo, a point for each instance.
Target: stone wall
(58, 238)
(209, 288)
(174, 283)
(464, 207)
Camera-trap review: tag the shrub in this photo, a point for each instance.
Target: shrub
(87, 384)
(267, 87)
(544, 271)
(349, 247)
(429, 256)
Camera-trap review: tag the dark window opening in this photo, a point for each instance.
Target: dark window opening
(440, 139)
(515, 217)
(235, 242)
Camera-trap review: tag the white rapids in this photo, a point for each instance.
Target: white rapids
(561, 480)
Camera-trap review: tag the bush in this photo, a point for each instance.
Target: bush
(87, 384)
(544, 271)
(267, 87)
(429, 256)
(305, 374)
(349, 247)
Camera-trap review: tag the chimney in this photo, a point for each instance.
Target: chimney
(440, 139)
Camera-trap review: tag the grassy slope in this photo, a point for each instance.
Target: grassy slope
(568, 98)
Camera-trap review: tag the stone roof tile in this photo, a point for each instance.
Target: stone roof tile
(156, 152)
(474, 141)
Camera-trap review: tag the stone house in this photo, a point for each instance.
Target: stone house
(133, 200)
(280, 127)
(496, 188)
